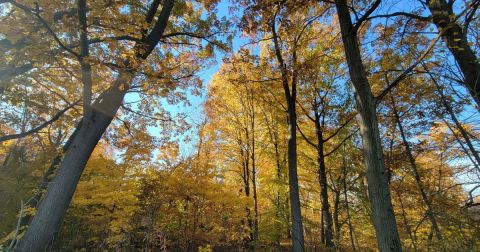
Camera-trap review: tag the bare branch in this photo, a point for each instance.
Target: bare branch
(340, 128)
(400, 14)
(306, 139)
(366, 15)
(341, 143)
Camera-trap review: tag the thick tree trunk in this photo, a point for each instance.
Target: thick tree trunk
(416, 174)
(379, 193)
(456, 40)
(47, 221)
(35, 200)
(322, 178)
(49, 216)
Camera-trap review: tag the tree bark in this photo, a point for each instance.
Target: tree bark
(456, 40)
(83, 57)
(254, 171)
(379, 193)
(296, 215)
(347, 206)
(47, 221)
(322, 178)
(290, 98)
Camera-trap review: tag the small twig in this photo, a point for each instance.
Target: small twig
(14, 238)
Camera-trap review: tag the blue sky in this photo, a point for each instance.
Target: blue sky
(194, 112)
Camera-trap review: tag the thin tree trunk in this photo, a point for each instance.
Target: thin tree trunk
(459, 126)
(416, 174)
(405, 222)
(347, 207)
(322, 178)
(456, 39)
(290, 98)
(336, 221)
(273, 134)
(254, 173)
(380, 197)
(83, 57)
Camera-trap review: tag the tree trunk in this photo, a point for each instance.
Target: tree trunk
(254, 172)
(322, 178)
(296, 215)
(380, 198)
(416, 174)
(49, 216)
(35, 200)
(290, 98)
(347, 206)
(273, 135)
(47, 221)
(405, 222)
(456, 39)
(459, 126)
(336, 221)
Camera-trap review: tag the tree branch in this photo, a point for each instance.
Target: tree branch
(400, 13)
(340, 144)
(404, 74)
(39, 127)
(340, 128)
(305, 137)
(366, 15)
(44, 23)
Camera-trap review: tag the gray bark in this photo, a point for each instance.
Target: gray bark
(379, 193)
(47, 221)
(83, 57)
(290, 98)
(295, 214)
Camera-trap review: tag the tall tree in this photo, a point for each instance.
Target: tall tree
(378, 190)
(122, 56)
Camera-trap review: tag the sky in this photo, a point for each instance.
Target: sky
(194, 112)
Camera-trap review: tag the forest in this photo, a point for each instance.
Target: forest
(239, 125)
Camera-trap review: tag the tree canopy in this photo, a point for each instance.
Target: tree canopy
(175, 125)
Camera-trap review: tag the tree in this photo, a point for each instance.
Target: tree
(378, 191)
(127, 56)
